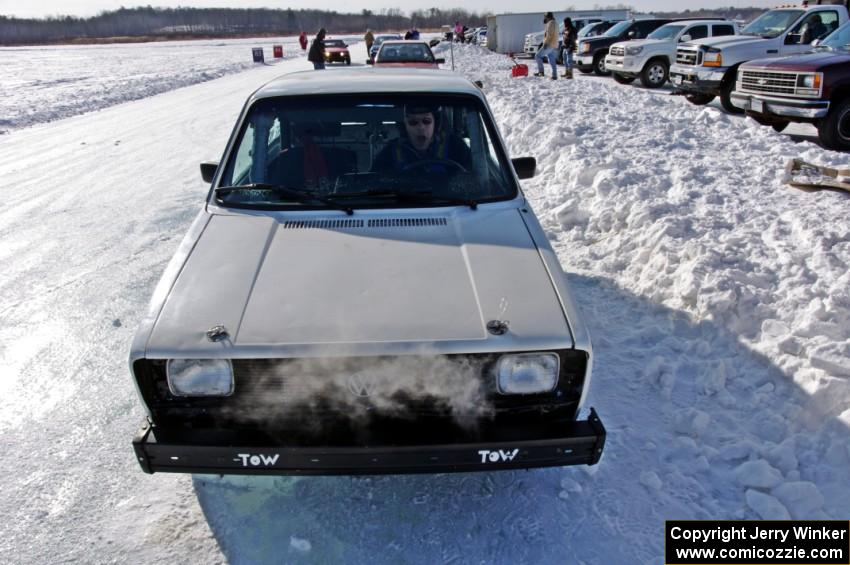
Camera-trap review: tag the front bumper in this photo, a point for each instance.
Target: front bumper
(214, 452)
(623, 65)
(337, 57)
(584, 60)
(697, 79)
(786, 107)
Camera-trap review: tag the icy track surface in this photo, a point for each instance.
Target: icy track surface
(717, 299)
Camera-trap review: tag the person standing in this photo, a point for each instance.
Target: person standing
(369, 39)
(302, 39)
(549, 49)
(317, 51)
(458, 32)
(569, 40)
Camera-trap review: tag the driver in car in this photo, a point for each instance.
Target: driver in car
(423, 145)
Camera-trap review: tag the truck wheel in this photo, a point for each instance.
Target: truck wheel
(699, 99)
(834, 130)
(654, 74)
(585, 70)
(623, 79)
(726, 98)
(599, 65)
(779, 126)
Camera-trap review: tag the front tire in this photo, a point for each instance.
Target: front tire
(599, 65)
(654, 74)
(347, 61)
(726, 98)
(623, 79)
(585, 70)
(699, 99)
(834, 130)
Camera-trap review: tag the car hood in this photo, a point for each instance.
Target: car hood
(361, 284)
(806, 62)
(336, 49)
(645, 43)
(724, 41)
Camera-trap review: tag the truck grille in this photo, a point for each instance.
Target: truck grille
(767, 82)
(617, 51)
(687, 57)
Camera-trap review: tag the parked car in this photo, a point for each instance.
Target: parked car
(707, 68)
(594, 29)
(415, 54)
(343, 304)
(591, 53)
(336, 51)
(811, 88)
(377, 43)
(649, 59)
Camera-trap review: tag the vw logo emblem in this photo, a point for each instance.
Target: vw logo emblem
(362, 384)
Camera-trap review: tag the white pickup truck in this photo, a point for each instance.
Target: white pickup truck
(649, 59)
(707, 68)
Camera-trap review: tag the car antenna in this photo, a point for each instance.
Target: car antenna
(451, 44)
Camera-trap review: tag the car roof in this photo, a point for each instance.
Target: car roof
(368, 80)
(405, 42)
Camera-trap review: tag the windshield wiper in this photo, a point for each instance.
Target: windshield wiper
(296, 194)
(407, 195)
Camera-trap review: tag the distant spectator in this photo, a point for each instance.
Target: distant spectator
(414, 33)
(369, 39)
(302, 39)
(549, 50)
(408, 34)
(458, 32)
(317, 50)
(569, 41)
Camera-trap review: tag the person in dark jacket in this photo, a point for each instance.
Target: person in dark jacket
(317, 50)
(423, 142)
(569, 40)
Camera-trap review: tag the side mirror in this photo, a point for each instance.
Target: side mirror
(685, 38)
(479, 84)
(816, 42)
(525, 167)
(631, 34)
(208, 169)
(434, 42)
(440, 61)
(793, 38)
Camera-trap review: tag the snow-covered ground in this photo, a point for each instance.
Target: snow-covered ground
(717, 299)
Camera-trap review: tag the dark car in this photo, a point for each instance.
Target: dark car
(810, 88)
(336, 51)
(591, 53)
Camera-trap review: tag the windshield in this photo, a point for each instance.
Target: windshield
(405, 53)
(772, 23)
(668, 31)
(617, 29)
(334, 43)
(381, 38)
(591, 30)
(838, 40)
(365, 151)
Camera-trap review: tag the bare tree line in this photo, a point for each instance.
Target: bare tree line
(147, 22)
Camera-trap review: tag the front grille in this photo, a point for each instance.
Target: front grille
(767, 82)
(316, 401)
(329, 224)
(687, 56)
(618, 51)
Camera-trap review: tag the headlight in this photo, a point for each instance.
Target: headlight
(809, 81)
(633, 50)
(584, 47)
(200, 377)
(712, 58)
(527, 373)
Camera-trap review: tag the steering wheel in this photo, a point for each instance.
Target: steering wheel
(426, 162)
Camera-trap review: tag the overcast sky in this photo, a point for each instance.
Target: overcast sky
(40, 8)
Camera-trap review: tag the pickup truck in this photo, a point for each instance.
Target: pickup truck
(707, 68)
(649, 59)
(811, 88)
(590, 57)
